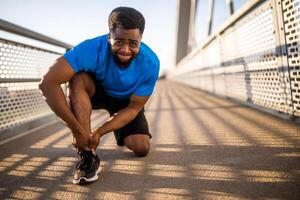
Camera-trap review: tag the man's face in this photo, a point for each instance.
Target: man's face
(125, 44)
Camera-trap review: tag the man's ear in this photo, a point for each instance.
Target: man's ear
(141, 34)
(109, 38)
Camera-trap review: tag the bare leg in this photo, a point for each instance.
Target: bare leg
(81, 88)
(138, 143)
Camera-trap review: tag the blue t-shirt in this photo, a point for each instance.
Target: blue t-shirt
(94, 56)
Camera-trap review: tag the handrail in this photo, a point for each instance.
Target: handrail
(13, 28)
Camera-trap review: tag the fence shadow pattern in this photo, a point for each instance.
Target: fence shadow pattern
(203, 147)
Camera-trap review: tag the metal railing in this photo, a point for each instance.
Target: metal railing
(21, 68)
(253, 58)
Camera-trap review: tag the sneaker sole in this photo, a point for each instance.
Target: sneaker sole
(83, 180)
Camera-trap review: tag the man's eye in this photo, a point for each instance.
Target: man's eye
(118, 42)
(133, 44)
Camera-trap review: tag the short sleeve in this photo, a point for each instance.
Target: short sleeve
(83, 57)
(147, 86)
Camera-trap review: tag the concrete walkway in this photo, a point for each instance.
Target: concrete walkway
(203, 147)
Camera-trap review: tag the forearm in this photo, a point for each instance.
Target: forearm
(117, 121)
(56, 100)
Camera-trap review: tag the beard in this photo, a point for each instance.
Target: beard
(120, 62)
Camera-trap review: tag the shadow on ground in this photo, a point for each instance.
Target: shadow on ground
(202, 147)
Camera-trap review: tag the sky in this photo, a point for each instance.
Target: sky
(73, 21)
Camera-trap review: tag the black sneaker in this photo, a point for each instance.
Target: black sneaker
(87, 169)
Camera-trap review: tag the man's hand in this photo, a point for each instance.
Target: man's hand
(95, 141)
(82, 141)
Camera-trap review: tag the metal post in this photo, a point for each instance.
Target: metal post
(282, 57)
(210, 15)
(184, 10)
(191, 38)
(230, 7)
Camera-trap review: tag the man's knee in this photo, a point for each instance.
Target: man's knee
(77, 80)
(141, 151)
(139, 144)
(81, 82)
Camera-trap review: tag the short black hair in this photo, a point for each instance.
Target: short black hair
(126, 18)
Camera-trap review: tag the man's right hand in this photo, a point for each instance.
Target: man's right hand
(95, 141)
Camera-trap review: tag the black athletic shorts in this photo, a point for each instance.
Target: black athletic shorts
(138, 125)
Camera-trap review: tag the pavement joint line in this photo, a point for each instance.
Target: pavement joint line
(37, 129)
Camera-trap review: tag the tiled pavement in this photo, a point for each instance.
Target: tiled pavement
(203, 147)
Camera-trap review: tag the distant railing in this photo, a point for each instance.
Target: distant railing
(24, 57)
(254, 58)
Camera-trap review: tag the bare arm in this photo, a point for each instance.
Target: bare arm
(121, 118)
(60, 72)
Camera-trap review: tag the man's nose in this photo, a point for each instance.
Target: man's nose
(125, 48)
